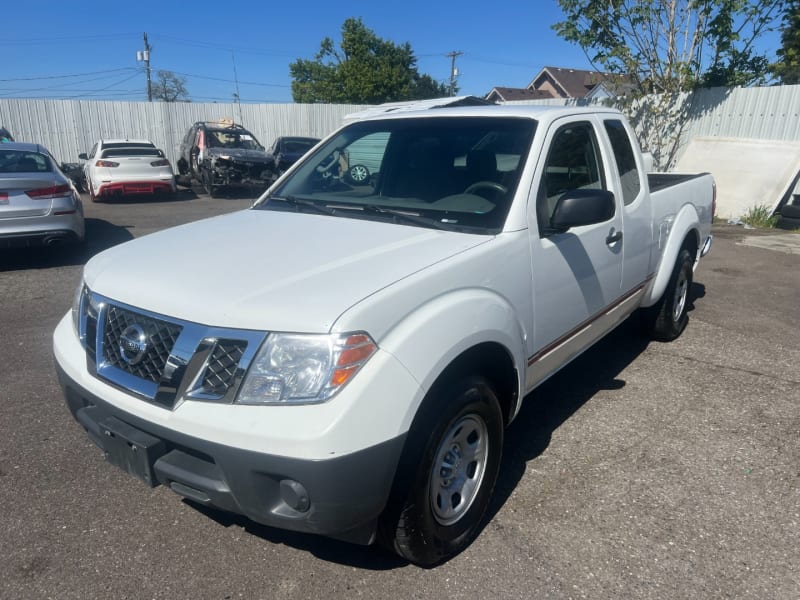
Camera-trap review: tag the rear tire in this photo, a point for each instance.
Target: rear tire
(447, 473)
(667, 318)
(92, 195)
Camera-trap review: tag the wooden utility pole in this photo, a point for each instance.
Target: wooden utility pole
(144, 56)
(453, 70)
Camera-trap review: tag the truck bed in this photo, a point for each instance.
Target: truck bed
(659, 181)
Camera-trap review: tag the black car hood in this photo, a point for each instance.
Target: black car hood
(238, 154)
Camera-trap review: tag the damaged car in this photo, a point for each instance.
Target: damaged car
(223, 154)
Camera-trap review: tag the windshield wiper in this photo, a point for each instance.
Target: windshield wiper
(408, 217)
(298, 202)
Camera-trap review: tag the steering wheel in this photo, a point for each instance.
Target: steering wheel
(486, 185)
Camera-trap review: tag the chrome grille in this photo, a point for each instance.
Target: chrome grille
(222, 366)
(161, 336)
(181, 359)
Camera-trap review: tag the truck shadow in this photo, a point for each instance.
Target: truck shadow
(546, 408)
(543, 411)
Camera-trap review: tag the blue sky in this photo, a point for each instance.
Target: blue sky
(87, 49)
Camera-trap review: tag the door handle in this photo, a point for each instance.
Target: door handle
(613, 237)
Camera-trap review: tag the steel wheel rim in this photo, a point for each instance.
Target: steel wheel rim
(681, 292)
(458, 468)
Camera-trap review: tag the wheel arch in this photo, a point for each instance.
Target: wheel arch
(491, 361)
(688, 222)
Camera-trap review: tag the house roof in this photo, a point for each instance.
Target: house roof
(508, 93)
(577, 83)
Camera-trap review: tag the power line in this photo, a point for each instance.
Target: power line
(216, 46)
(6, 41)
(231, 80)
(66, 76)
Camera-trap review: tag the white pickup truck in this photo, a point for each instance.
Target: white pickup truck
(343, 357)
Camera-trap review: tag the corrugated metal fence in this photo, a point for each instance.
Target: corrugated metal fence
(768, 113)
(68, 127)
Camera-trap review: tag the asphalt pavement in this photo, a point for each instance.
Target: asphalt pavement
(643, 470)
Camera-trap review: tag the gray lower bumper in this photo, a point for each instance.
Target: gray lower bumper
(340, 497)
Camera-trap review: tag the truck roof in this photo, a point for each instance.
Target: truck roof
(537, 112)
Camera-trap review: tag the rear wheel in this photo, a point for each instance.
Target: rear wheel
(447, 473)
(92, 195)
(667, 318)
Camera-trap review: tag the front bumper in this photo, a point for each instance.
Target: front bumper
(340, 497)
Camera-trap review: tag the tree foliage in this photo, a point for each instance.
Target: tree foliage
(668, 46)
(169, 87)
(663, 49)
(787, 68)
(365, 69)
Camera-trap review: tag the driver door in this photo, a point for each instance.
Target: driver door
(576, 274)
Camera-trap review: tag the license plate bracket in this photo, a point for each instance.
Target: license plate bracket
(130, 449)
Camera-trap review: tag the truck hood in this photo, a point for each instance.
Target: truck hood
(267, 270)
(238, 154)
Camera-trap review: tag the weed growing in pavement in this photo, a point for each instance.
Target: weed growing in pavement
(760, 216)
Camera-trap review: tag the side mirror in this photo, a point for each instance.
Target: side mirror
(83, 156)
(582, 207)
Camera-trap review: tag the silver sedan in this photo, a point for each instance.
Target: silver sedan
(39, 205)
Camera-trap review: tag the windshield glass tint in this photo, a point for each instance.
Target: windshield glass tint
(457, 172)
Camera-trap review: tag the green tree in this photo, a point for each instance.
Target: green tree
(787, 68)
(663, 49)
(673, 45)
(169, 87)
(365, 69)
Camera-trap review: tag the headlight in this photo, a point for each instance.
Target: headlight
(303, 369)
(76, 306)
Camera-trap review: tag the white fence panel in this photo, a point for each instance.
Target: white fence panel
(69, 127)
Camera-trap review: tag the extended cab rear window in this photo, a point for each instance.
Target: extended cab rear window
(454, 172)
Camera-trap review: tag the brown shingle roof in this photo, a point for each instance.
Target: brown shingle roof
(576, 83)
(508, 93)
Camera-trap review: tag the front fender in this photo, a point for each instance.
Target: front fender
(430, 338)
(671, 234)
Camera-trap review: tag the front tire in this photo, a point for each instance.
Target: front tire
(667, 318)
(208, 183)
(447, 473)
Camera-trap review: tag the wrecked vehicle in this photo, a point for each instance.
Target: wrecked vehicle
(287, 150)
(223, 154)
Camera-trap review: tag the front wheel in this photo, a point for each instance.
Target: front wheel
(208, 183)
(667, 318)
(447, 473)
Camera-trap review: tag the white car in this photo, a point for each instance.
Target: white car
(123, 167)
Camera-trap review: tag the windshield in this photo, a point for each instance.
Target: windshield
(227, 138)
(457, 173)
